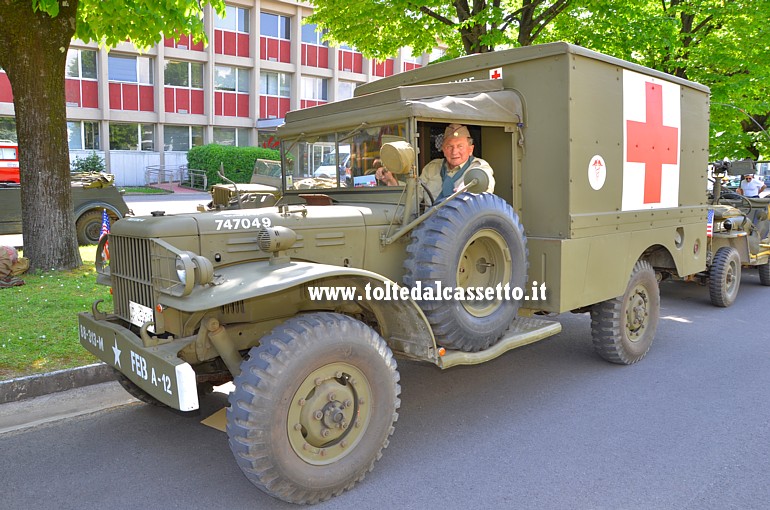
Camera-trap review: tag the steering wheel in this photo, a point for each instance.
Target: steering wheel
(427, 191)
(745, 207)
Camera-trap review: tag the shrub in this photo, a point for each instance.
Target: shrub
(238, 162)
(91, 163)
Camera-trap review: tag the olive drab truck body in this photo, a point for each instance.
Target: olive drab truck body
(600, 167)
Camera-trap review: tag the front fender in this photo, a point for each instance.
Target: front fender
(401, 321)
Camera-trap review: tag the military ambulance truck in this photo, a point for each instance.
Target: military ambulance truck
(599, 167)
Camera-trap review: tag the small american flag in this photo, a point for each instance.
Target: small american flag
(104, 232)
(710, 223)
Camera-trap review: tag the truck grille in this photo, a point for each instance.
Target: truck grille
(131, 273)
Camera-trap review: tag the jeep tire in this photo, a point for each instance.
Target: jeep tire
(725, 276)
(623, 328)
(474, 241)
(313, 407)
(89, 226)
(764, 273)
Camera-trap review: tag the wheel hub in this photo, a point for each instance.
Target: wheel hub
(637, 313)
(329, 413)
(485, 262)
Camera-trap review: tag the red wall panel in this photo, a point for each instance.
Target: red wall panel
(196, 102)
(6, 94)
(130, 94)
(89, 93)
(116, 97)
(147, 98)
(243, 45)
(72, 91)
(243, 105)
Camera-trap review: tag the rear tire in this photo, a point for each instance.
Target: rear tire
(764, 274)
(725, 276)
(623, 328)
(313, 407)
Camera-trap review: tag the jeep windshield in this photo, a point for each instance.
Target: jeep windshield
(309, 162)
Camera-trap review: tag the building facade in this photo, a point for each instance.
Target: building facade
(140, 110)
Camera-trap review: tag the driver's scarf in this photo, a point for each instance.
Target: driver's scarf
(448, 182)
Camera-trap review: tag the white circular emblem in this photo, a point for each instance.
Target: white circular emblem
(597, 172)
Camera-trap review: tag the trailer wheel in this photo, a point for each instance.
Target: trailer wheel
(764, 273)
(623, 328)
(313, 407)
(725, 276)
(472, 242)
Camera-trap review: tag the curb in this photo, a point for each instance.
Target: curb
(37, 385)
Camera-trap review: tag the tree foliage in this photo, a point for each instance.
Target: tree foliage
(724, 44)
(464, 27)
(34, 37)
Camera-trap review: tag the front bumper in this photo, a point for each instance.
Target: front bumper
(156, 370)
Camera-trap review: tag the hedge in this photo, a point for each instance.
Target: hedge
(238, 162)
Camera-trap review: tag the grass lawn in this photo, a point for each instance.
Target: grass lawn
(38, 321)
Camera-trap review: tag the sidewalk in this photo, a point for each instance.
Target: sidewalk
(14, 390)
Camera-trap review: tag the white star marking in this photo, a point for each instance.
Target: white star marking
(117, 354)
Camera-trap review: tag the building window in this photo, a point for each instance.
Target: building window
(132, 137)
(311, 36)
(130, 69)
(81, 64)
(345, 90)
(232, 136)
(274, 25)
(231, 79)
(236, 20)
(275, 84)
(8, 129)
(181, 138)
(314, 88)
(183, 74)
(83, 135)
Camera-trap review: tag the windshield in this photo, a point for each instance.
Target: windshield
(338, 160)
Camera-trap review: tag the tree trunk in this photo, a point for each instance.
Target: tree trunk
(33, 49)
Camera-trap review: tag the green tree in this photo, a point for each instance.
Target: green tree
(722, 44)
(465, 27)
(34, 37)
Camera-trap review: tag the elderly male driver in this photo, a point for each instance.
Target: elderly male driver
(443, 176)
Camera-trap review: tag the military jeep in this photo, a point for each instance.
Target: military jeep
(307, 304)
(91, 195)
(738, 236)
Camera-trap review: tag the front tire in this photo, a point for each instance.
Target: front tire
(623, 328)
(313, 407)
(725, 276)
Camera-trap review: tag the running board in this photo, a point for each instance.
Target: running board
(523, 331)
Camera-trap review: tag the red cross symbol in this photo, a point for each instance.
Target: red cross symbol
(652, 143)
(496, 74)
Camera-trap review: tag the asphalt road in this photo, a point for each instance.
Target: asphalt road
(547, 426)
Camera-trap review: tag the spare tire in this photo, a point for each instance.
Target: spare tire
(472, 242)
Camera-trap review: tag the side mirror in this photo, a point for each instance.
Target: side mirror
(481, 178)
